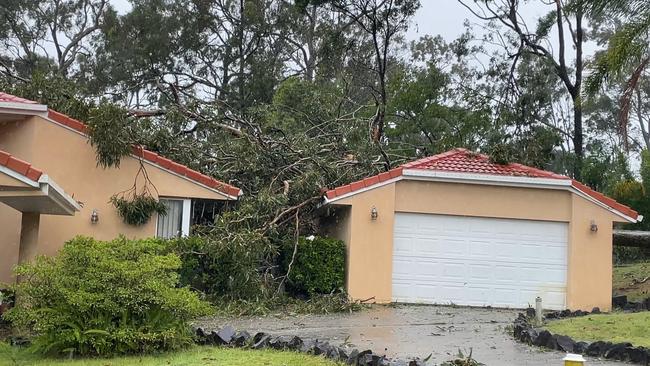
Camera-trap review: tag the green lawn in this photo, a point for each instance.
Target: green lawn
(193, 357)
(629, 280)
(616, 327)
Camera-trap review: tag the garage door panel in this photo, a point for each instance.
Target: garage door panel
(479, 261)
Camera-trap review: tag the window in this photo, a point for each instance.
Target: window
(176, 222)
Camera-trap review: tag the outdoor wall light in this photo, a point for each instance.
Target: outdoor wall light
(373, 213)
(94, 217)
(593, 227)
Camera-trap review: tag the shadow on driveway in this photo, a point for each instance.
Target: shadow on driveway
(407, 331)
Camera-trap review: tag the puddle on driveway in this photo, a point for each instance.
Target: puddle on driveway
(403, 331)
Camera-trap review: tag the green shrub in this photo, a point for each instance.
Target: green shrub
(318, 267)
(223, 265)
(105, 298)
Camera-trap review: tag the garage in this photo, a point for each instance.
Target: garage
(477, 261)
(458, 228)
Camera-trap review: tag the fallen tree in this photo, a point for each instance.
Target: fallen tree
(631, 238)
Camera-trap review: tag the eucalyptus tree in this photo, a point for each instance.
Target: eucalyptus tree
(558, 39)
(48, 36)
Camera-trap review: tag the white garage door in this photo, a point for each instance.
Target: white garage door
(476, 261)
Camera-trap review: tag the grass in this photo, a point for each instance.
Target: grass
(615, 327)
(629, 280)
(204, 356)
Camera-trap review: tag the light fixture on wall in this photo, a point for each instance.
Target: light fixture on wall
(593, 227)
(94, 217)
(373, 213)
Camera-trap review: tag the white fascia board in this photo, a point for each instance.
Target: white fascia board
(364, 189)
(598, 203)
(50, 188)
(18, 176)
(23, 108)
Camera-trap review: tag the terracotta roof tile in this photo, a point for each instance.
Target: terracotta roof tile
(8, 98)
(19, 166)
(145, 154)
(464, 161)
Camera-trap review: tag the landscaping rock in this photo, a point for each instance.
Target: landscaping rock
(639, 355)
(258, 336)
(595, 310)
(530, 313)
(295, 343)
(343, 354)
(263, 342)
(353, 356)
(224, 336)
(321, 348)
(619, 301)
(201, 336)
(307, 346)
(356, 356)
(580, 347)
(542, 338)
(333, 353)
(565, 343)
(618, 351)
(280, 342)
(241, 339)
(598, 348)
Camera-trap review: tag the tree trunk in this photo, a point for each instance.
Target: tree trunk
(631, 238)
(577, 137)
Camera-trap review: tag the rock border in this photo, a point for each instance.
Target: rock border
(229, 337)
(524, 331)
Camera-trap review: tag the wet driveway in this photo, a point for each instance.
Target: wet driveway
(407, 331)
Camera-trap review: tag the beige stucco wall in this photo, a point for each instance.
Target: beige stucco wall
(67, 157)
(370, 242)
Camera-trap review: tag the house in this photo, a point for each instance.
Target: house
(456, 228)
(51, 188)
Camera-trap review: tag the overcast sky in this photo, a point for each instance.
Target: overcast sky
(444, 17)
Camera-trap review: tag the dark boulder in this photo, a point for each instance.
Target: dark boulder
(580, 347)
(279, 343)
(530, 313)
(321, 348)
(619, 301)
(258, 336)
(565, 343)
(241, 339)
(595, 310)
(618, 351)
(263, 342)
(224, 335)
(201, 336)
(598, 348)
(639, 355)
(542, 338)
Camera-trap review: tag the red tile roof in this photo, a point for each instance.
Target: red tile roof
(139, 151)
(8, 98)
(19, 166)
(464, 161)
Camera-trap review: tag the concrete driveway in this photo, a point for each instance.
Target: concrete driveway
(407, 331)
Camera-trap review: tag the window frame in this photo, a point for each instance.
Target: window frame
(186, 214)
